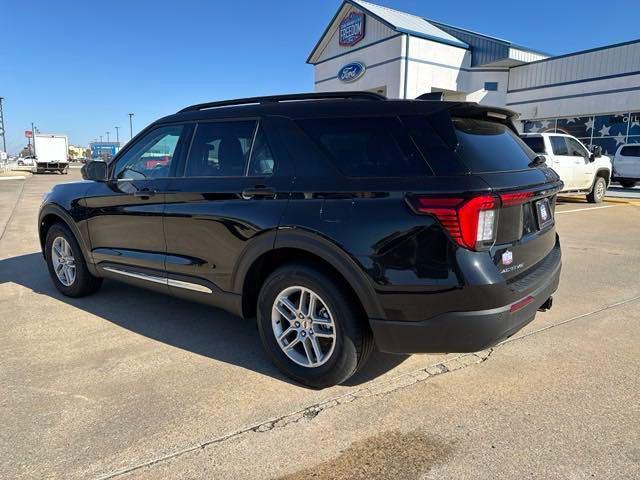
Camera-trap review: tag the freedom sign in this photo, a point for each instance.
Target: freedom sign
(351, 29)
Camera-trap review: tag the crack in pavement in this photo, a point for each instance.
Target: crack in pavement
(13, 211)
(375, 388)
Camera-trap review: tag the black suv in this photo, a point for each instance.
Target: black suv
(339, 221)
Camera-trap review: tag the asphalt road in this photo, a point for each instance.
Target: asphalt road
(131, 384)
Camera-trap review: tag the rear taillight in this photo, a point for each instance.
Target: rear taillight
(471, 222)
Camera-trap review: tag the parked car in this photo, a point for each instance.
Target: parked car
(336, 220)
(26, 162)
(626, 165)
(582, 171)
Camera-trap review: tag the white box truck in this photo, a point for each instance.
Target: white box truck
(52, 153)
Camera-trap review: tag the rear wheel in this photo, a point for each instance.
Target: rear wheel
(598, 191)
(66, 264)
(310, 328)
(627, 183)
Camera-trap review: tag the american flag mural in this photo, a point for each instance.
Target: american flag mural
(608, 131)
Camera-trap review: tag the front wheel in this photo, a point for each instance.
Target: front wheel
(310, 328)
(598, 191)
(66, 264)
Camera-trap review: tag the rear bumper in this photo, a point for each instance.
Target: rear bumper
(462, 331)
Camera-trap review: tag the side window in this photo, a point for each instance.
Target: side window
(220, 149)
(575, 149)
(367, 146)
(262, 162)
(151, 156)
(559, 146)
(631, 151)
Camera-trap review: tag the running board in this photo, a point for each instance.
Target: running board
(162, 280)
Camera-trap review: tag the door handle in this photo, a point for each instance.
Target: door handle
(144, 193)
(258, 191)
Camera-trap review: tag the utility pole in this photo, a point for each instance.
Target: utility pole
(33, 134)
(117, 134)
(107, 137)
(4, 140)
(130, 125)
(100, 138)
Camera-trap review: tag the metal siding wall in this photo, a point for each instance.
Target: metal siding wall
(610, 61)
(374, 31)
(483, 49)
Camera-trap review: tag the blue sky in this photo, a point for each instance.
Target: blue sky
(79, 67)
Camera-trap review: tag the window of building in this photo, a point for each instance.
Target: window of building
(491, 86)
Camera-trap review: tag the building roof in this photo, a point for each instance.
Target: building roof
(407, 23)
(485, 49)
(460, 30)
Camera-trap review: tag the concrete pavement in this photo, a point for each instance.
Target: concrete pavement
(131, 383)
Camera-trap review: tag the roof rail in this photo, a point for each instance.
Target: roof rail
(285, 98)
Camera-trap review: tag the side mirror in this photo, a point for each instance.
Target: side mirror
(95, 170)
(596, 152)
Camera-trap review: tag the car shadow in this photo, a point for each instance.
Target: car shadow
(193, 327)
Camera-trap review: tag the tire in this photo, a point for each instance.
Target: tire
(84, 283)
(598, 191)
(352, 342)
(627, 183)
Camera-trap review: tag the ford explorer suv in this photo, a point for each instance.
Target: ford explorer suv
(340, 222)
(626, 165)
(581, 171)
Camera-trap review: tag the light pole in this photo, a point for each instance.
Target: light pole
(33, 134)
(107, 137)
(131, 125)
(2, 129)
(100, 138)
(117, 135)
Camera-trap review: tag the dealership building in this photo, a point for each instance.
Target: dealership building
(593, 94)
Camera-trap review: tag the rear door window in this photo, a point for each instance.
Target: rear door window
(485, 146)
(220, 149)
(559, 146)
(366, 146)
(536, 144)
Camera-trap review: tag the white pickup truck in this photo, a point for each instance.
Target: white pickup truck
(626, 165)
(582, 171)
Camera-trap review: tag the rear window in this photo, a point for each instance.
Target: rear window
(366, 146)
(631, 151)
(535, 143)
(486, 146)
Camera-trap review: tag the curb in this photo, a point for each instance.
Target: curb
(628, 201)
(14, 177)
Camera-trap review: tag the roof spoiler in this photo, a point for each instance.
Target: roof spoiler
(433, 96)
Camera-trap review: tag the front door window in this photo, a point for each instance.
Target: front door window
(151, 157)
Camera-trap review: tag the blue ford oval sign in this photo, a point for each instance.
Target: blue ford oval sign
(351, 72)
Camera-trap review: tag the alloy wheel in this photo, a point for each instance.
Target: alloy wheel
(303, 326)
(64, 264)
